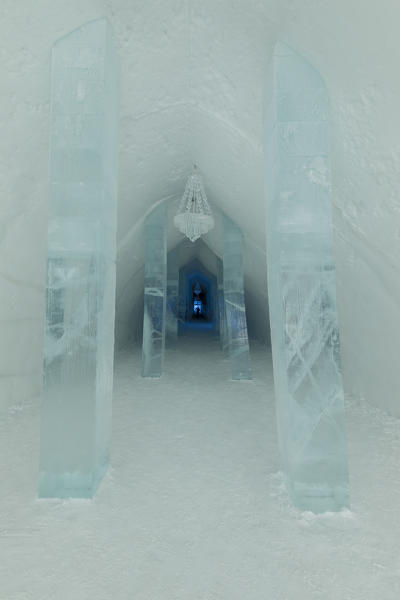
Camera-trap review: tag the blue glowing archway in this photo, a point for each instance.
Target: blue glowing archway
(189, 275)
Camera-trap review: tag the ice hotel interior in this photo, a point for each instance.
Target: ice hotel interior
(199, 300)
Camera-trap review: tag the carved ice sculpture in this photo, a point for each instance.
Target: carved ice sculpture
(223, 334)
(79, 324)
(235, 310)
(171, 324)
(155, 291)
(301, 283)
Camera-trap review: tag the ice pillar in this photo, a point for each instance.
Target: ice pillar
(172, 307)
(155, 284)
(301, 284)
(80, 297)
(235, 310)
(223, 334)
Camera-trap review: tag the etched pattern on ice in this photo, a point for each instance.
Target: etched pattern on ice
(235, 312)
(302, 287)
(223, 333)
(155, 278)
(80, 295)
(171, 325)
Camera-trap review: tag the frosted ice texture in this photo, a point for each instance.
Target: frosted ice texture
(185, 298)
(171, 325)
(235, 310)
(155, 291)
(223, 334)
(80, 299)
(301, 283)
(182, 309)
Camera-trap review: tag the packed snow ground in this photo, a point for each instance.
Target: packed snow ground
(193, 506)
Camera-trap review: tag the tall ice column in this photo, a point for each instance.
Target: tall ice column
(80, 298)
(235, 309)
(172, 307)
(155, 291)
(223, 334)
(301, 285)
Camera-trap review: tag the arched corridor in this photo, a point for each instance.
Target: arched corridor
(200, 300)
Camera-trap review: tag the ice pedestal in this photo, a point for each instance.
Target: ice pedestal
(235, 310)
(301, 285)
(171, 326)
(80, 296)
(155, 288)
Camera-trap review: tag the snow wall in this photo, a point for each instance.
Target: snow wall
(192, 86)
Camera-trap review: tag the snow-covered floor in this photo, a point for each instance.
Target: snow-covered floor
(193, 506)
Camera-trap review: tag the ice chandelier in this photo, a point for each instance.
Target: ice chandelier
(194, 217)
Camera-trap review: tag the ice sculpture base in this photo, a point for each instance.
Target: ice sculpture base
(318, 499)
(244, 374)
(70, 485)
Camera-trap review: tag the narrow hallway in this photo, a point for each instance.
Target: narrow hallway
(186, 189)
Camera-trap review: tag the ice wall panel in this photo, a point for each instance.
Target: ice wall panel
(235, 308)
(302, 287)
(80, 297)
(155, 291)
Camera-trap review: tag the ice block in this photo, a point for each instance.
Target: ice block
(235, 309)
(302, 287)
(80, 289)
(155, 292)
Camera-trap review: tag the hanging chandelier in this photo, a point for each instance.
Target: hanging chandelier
(194, 217)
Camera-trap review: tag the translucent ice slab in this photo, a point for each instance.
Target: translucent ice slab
(223, 334)
(301, 284)
(171, 325)
(155, 291)
(79, 324)
(235, 310)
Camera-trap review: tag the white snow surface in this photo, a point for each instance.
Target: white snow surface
(193, 506)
